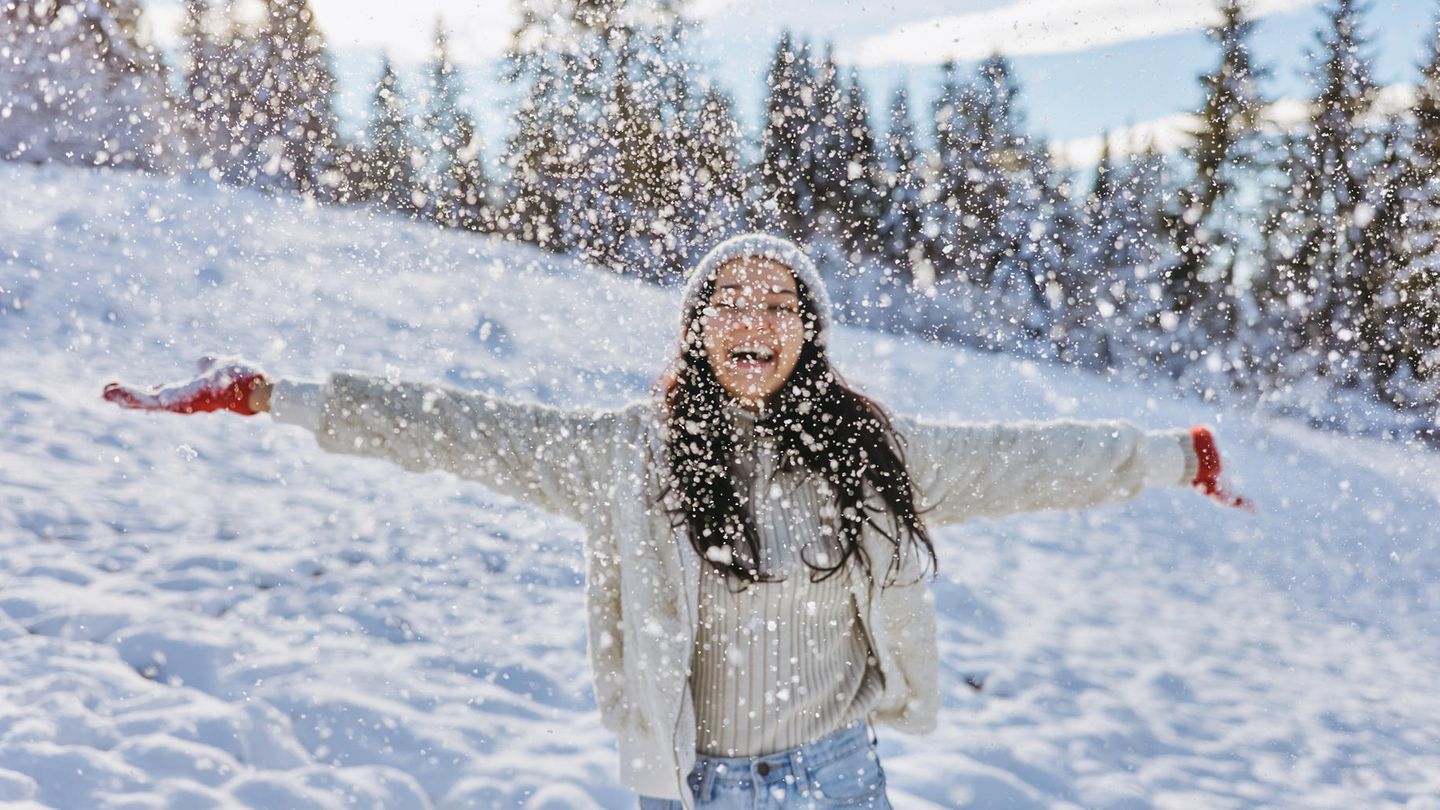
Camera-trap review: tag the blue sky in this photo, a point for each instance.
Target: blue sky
(1072, 89)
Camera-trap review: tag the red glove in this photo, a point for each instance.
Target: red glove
(1207, 480)
(222, 385)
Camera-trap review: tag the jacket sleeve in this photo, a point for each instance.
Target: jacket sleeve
(990, 469)
(544, 456)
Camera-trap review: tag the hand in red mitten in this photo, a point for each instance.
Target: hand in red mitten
(1207, 480)
(222, 385)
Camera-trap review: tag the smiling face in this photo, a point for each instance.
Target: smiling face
(753, 328)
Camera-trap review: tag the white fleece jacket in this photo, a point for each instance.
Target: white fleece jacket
(604, 470)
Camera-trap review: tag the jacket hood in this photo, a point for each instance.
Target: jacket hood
(764, 246)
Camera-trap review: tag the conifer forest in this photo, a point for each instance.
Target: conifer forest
(1296, 267)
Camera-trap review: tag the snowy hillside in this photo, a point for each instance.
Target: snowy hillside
(210, 612)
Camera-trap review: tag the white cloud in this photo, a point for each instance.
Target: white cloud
(1042, 26)
(1166, 134)
(478, 30)
(1170, 133)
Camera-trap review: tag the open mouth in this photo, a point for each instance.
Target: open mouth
(752, 357)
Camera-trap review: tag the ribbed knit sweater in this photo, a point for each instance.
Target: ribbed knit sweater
(782, 662)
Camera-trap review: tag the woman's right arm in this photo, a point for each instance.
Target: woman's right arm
(558, 460)
(552, 458)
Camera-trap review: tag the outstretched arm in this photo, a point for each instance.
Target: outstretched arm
(552, 458)
(990, 469)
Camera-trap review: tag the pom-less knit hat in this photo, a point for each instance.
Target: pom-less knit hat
(764, 246)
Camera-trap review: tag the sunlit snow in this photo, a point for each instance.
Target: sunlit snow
(208, 610)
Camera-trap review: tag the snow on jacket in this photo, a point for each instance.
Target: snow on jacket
(605, 470)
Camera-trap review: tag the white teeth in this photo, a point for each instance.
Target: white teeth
(761, 353)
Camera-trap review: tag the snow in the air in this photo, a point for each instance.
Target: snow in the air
(209, 611)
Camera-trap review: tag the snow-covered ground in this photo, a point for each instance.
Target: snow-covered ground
(209, 611)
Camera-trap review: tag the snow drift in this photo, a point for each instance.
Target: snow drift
(209, 611)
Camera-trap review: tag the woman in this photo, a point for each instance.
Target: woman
(757, 534)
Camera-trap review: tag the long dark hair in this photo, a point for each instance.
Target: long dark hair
(820, 424)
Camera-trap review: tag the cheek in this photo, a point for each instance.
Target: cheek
(711, 338)
(791, 342)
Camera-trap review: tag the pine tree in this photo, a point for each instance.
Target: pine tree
(862, 198)
(651, 122)
(458, 193)
(997, 212)
(823, 146)
(391, 157)
(901, 232)
(955, 154)
(1408, 367)
(1119, 251)
(595, 158)
(302, 99)
(1198, 282)
(465, 197)
(439, 136)
(712, 183)
(205, 83)
(222, 78)
(1426, 110)
(553, 127)
(536, 154)
(1380, 332)
(598, 217)
(1022, 216)
(1049, 231)
(80, 87)
(1313, 290)
(260, 98)
(787, 200)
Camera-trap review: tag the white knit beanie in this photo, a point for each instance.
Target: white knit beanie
(764, 246)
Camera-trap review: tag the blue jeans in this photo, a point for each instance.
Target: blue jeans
(838, 770)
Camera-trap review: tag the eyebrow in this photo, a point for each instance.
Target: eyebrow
(771, 291)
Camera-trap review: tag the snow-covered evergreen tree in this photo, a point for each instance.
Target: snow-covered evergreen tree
(205, 31)
(1019, 214)
(594, 158)
(458, 193)
(464, 194)
(786, 202)
(1408, 373)
(823, 145)
(900, 228)
(391, 157)
(963, 209)
(712, 184)
(650, 122)
(1201, 306)
(536, 155)
(1121, 245)
(1313, 289)
(1426, 109)
(304, 135)
(995, 214)
(1381, 332)
(1046, 282)
(79, 86)
(260, 97)
(861, 203)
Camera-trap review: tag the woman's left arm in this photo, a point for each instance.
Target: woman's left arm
(991, 469)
